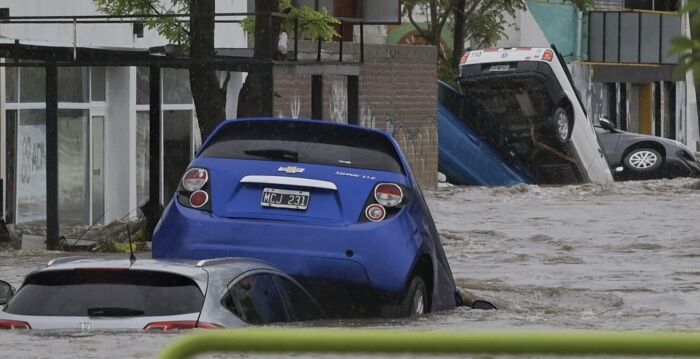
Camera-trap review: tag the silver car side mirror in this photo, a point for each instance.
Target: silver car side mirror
(607, 124)
(6, 292)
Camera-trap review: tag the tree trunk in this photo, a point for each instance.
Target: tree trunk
(209, 97)
(255, 98)
(458, 44)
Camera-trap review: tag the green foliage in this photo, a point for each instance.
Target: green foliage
(485, 20)
(168, 27)
(448, 74)
(312, 24)
(688, 50)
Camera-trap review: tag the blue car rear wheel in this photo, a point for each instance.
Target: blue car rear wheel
(415, 302)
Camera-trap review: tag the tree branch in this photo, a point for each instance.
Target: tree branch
(413, 22)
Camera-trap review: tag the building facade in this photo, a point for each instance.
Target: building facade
(103, 119)
(619, 56)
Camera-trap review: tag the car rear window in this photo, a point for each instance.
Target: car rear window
(106, 292)
(305, 142)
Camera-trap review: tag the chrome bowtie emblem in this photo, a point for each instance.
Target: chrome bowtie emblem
(291, 169)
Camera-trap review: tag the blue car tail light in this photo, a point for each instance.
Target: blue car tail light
(375, 212)
(388, 194)
(193, 191)
(386, 201)
(194, 179)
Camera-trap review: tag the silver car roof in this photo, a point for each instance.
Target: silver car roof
(196, 270)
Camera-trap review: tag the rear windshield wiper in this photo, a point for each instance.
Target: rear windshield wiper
(275, 154)
(113, 312)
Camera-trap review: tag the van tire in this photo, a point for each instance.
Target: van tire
(560, 125)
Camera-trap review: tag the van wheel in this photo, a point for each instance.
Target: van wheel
(560, 126)
(416, 300)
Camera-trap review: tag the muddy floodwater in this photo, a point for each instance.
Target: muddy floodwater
(620, 257)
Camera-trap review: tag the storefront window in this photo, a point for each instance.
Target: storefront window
(73, 167)
(31, 166)
(72, 84)
(11, 84)
(143, 89)
(176, 86)
(97, 84)
(177, 135)
(142, 156)
(33, 84)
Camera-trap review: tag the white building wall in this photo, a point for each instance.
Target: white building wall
(530, 32)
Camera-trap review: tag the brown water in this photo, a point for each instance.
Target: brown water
(617, 257)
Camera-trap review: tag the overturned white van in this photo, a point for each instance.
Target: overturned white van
(522, 100)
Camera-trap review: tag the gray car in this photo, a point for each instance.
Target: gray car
(98, 294)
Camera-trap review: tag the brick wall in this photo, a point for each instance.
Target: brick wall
(398, 93)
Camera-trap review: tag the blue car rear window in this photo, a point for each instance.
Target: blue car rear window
(304, 142)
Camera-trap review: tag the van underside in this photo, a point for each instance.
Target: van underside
(512, 105)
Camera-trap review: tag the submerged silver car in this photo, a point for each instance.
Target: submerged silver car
(98, 294)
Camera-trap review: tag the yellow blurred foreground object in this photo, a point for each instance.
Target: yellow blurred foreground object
(328, 340)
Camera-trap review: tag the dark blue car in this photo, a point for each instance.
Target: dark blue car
(335, 206)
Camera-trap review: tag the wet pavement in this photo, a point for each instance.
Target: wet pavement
(616, 257)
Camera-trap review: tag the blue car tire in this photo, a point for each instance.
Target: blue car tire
(415, 302)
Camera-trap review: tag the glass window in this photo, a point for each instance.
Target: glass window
(177, 126)
(77, 292)
(142, 156)
(256, 300)
(11, 84)
(176, 86)
(72, 84)
(72, 166)
(31, 166)
(303, 306)
(97, 126)
(97, 84)
(143, 88)
(33, 84)
(656, 5)
(316, 143)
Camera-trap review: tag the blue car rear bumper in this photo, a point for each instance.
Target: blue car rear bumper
(376, 255)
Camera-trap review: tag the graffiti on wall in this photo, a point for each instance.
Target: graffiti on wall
(33, 159)
(339, 102)
(416, 142)
(295, 105)
(367, 118)
(31, 173)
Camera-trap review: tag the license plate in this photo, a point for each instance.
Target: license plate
(282, 198)
(499, 68)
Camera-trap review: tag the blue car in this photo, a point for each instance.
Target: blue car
(335, 206)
